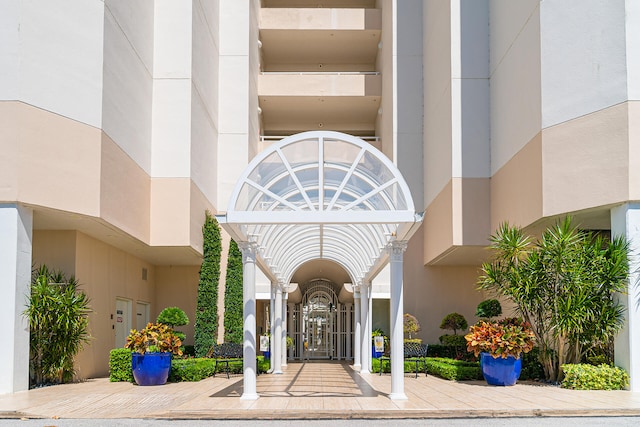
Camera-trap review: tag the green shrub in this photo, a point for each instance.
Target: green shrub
(206, 326)
(455, 322)
(531, 367)
(454, 370)
(58, 315)
(189, 351)
(408, 366)
(452, 352)
(173, 316)
(489, 308)
(233, 326)
(588, 377)
(453, 340)
(120, 365)
(191, 369)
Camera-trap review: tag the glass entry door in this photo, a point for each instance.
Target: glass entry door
(319, 322)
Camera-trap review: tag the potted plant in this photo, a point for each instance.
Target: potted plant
(500, 345)
(152, 348)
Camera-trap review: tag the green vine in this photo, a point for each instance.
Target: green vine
(233, 296)
(206, 326)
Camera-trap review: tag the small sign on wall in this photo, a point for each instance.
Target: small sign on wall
(119, 319)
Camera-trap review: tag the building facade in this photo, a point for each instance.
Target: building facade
(121, 122)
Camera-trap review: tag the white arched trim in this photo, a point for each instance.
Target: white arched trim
(321, 194)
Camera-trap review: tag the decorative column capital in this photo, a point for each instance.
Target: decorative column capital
(396, 250)
(249, 251)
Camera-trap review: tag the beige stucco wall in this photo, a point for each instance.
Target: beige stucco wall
(430, 293)
(48, 159)
(177, 286)
(585, 161)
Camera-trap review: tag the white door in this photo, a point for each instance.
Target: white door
(122, 321)
(142, 315)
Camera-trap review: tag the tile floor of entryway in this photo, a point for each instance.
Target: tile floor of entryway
(312, 390)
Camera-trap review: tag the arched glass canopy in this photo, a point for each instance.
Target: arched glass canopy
(321, 195)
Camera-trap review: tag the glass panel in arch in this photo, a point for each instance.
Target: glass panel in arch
(302, 152)
(340, 152)
(372, 167)
(338, 158)
(396, 195)
(246, 197)
(391, 198)
(267, 170)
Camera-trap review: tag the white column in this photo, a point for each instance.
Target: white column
(301, 336)
(365, 342)
(625, 221)
(285, 296)
(338, 331)
(290, 327)
(356, 333)
(277, 331)
(272, 325)
(249, 367)
(348, 353)
(396, 252)
(15, 277)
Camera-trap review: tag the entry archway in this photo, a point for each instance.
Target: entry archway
(322, 195)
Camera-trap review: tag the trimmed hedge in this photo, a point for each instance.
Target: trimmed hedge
(120, 365)
(190, 369)
(449, 369)
(589, 377)
(408, 366)
(454, 370)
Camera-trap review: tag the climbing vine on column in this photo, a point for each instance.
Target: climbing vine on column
(206, 325)
(233, 296)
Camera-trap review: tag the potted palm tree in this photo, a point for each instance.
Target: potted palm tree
(499, 346)
(152, 349)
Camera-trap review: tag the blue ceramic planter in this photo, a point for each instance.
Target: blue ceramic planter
(503, 372)
(375, 353)
(151, 368)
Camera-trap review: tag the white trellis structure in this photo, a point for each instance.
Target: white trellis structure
(322, 195)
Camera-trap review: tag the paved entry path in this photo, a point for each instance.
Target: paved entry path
(313, 390)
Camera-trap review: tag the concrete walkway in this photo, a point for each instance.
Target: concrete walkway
(313, 391)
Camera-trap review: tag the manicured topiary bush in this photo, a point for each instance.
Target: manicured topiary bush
(174, 316)
(206, 326)
(489, 308)
(455, 322)
(120, 365)
(588, 377)
(233, 296)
